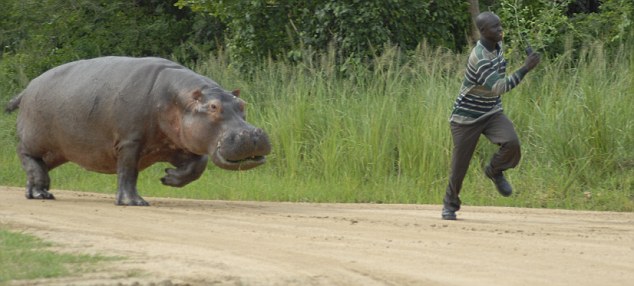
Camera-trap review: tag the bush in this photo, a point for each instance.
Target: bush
(610, 25)
(41, 34)
(361, 29)
(562, 27)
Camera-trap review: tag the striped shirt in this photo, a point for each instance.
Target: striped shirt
(485, 80)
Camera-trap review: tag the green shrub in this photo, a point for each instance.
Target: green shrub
(286, 29)
(38, 35)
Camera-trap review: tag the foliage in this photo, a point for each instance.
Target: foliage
(551, 28)
(286, 29)
(611, 25)
(37, 35)
(379, 133)
(537, 23)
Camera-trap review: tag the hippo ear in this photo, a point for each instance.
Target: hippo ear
(191, 100)
(236, 92)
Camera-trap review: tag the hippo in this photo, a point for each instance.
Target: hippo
(123, 114)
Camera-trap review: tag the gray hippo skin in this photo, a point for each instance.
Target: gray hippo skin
(121, 115)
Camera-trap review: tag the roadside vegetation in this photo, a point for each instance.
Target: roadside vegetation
(25, 257)
(374, 128)
(380, 134)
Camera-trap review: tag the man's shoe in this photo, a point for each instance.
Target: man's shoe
(448, 214)
(503, 186)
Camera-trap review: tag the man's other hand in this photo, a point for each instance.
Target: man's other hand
(532, 60)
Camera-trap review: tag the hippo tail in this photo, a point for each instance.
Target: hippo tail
(13, 104)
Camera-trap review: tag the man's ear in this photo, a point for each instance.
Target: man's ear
(236, 92)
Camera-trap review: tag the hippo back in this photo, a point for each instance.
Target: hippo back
(82, 111)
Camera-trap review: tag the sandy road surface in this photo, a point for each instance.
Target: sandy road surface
(260, 243)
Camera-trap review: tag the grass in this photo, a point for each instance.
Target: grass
(24, 257)
(381, 134)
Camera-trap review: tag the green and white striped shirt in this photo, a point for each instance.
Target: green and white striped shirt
(485, 80)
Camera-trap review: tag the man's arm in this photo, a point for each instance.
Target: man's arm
(498, 84)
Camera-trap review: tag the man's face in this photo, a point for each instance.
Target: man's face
(492, 29)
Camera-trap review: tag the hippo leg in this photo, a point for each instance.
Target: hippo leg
(127, 175)
(38, 181)
(189, 167)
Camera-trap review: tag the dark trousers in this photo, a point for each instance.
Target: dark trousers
(499, 130)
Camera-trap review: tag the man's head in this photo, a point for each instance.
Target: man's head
(490, 27)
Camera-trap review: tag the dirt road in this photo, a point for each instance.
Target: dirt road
(260, 243)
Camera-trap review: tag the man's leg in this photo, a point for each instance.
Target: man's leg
(499, 130)
(465, 139)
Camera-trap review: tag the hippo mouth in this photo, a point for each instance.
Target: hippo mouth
(241, 150)
(237, 164)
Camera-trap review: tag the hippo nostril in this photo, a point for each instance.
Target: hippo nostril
(234, 137)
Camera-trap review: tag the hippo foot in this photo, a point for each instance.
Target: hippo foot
(39, 194)
(175, 178)
(130, 200)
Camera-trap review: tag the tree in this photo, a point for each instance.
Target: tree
(284, 29)
(474, 10)
(37, 35)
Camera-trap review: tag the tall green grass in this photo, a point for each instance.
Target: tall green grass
(379, 132)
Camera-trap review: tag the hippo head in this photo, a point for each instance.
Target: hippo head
(211, 121)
